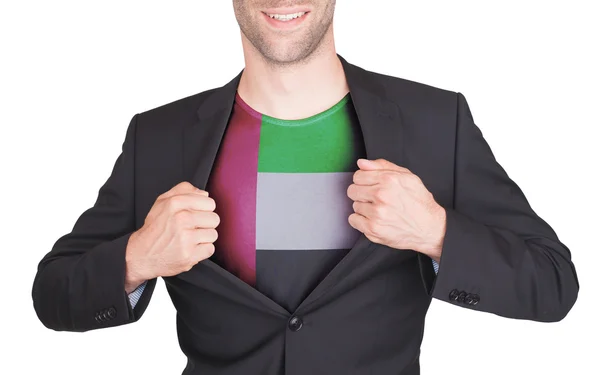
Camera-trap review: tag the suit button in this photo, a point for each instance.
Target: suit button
(469, 299)
(112, 312)
(453, 296)
(295, 324)
(461, 297)
(475, 298)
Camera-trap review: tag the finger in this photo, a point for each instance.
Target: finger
(203, 251)
(358, 222)
(189, 219)
(189, 197)
(363, 177)
(182, 188)
(203, 235)
(364, 209)
(361, 193)
(191, 201)
(369, 165)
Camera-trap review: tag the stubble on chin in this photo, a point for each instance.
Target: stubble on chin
(298, 51)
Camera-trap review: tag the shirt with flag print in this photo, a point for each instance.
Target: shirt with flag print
(280, 188)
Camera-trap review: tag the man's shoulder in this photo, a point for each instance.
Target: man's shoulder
(179, 108)
(407, 91)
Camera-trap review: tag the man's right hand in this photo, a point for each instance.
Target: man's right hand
(178, 232)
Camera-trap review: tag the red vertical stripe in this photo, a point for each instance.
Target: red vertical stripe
(232, 184)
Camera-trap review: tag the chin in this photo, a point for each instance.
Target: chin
(286, 54)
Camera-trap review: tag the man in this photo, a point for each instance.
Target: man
(344, 201)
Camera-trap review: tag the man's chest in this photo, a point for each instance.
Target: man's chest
(280, 192)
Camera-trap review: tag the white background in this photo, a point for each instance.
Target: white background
(74, 73)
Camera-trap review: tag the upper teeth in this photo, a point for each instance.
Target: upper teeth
(286, 17)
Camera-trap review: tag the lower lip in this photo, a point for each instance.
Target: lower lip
(285, 24)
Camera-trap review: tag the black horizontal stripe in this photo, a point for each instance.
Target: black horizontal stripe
(288, 276)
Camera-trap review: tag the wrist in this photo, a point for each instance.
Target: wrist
(434, 243)
(134, 276)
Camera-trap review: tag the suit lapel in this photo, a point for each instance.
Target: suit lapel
(381, 127)
(382, 133)
(202, 138)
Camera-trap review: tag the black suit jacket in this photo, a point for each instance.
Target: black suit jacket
(367, 316)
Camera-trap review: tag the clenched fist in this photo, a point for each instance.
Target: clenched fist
(393, 207)
(178, 232)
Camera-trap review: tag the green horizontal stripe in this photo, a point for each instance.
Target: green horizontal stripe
(327, 142)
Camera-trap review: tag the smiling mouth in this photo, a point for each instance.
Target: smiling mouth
(286, 17)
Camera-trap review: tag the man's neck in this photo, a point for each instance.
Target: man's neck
(296, 91)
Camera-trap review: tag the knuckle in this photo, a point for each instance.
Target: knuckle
(192, 255)
(187, 266)
(413, 179)
(183, 239)
(176, 202)
(371, 228)
(183, 259)
(380, 194)
(181, 218)
(191, 258)
(379, 210)
(388, 178)
(376, 230)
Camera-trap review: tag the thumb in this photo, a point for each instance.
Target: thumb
(370, 165)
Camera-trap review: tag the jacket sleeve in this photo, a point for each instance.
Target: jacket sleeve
(80, 283)
(498, 255)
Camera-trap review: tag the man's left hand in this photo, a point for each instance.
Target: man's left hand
(393, 207)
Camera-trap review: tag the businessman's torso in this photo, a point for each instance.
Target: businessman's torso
(366, 313)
